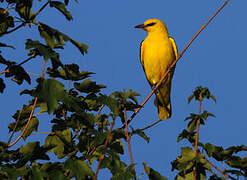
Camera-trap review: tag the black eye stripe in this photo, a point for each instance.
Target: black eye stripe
(151, 24)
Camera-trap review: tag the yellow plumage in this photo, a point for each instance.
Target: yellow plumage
(158, 51)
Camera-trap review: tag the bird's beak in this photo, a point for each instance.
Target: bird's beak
(142, 26)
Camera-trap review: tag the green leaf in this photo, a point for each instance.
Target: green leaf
(187, 135)
(61, 7)
(39, 49)
(54, 38)
(43, 107)
(201, 93)
(51, 92)
(29, 148)
(78, 169)
(215, 151)
(187, 154)
(190, 176)
(131, 95)
(19, 74)
(190, 98)
(32, 151)
(141, 134)
(33, 126)
(14, 173)
(111, 103)
(236, 172)
(88, 86)
(21, 116)
(4, 61)
(24, 10)
(6, 22)
(192, 125)
(54, 170)
(38, 173)
(53, 140)
(212, 97)
(69, 72)
(114, 164)
(238, 162)
(83, 48)
(206, 114)
(125, 174)
(117, 146)
(152, 174)
(58, 141)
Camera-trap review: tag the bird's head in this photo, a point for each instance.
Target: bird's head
(152, 25)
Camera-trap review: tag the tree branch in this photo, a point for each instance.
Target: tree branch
(31, 114)
(16, 123)
(100, 109)
(127, 136)
(41, 9)
(222, 172)
(14, 29)
(103, 155)
(151, 125)
(197, 134)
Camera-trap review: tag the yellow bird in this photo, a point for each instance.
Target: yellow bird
(158, 51)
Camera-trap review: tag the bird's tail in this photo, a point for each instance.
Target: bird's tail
(163, 102)
(164, 111)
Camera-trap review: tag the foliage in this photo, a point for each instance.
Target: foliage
(79, 131)
(188, 162)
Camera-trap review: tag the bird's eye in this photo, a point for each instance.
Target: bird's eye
(151, 24)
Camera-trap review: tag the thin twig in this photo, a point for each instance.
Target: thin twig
(41, 9)
(127, 136)
(8, 8)
(14, 29)
(174, 63)
(197, 127)
(222, 172)
(7, 70)
(151, 125)
(28, 59)
(16, 123)
(103, 155)
(37, 114)
(41, 133)
(34, 74)
(31, 114)
(197, 133)
(100, 109)
(92, 151)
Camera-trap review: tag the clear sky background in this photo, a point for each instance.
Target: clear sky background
(217, 59)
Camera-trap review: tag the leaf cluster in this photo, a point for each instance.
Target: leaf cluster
(187, 163)
(78, 133)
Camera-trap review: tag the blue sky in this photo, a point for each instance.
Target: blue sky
(216, 59)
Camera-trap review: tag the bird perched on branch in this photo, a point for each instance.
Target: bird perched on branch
(157, 52)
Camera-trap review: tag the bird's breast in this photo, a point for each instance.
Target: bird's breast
(157, 57)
